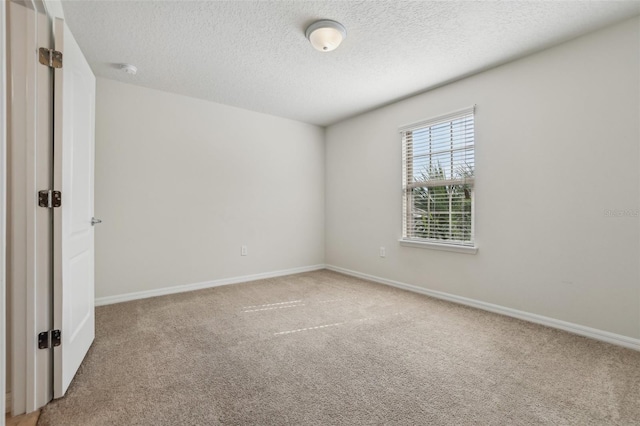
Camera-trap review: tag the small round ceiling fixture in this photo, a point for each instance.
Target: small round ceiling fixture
(326, 35)
(129, 69)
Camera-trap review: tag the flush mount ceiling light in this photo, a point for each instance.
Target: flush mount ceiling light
(326, 35)
(129, 69)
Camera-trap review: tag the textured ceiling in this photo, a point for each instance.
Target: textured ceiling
(254, 55)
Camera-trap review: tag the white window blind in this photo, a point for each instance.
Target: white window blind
(438, 177)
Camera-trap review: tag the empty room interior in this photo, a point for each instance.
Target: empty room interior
(320, 212)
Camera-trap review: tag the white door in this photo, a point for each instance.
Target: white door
(73, 292)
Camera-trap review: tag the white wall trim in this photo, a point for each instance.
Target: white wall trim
(593, 333)
(7, 403)
(108, 300)
(436, 246)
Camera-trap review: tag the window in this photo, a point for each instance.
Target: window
(438, 179)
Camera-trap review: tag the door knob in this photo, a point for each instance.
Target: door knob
(95, 221)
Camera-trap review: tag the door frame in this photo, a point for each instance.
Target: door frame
(3, 205)
(29, 309)
(29, 227)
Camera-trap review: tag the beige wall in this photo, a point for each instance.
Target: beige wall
(182, 183)
(557, 144)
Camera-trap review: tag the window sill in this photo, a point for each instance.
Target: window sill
(436, 246)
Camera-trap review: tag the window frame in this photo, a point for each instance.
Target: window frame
(460, 246)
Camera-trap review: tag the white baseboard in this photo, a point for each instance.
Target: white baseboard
(605, 336)
(7, 403)
(108, 300)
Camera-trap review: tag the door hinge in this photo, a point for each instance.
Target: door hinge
(49, 198)
(51, 58)
(49, 339)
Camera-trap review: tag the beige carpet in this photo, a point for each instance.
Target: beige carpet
(324, 349)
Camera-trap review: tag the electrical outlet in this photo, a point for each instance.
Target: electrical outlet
(383, 252)
(243, 251)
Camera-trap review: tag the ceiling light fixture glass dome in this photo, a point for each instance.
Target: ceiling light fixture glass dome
(326, 35)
